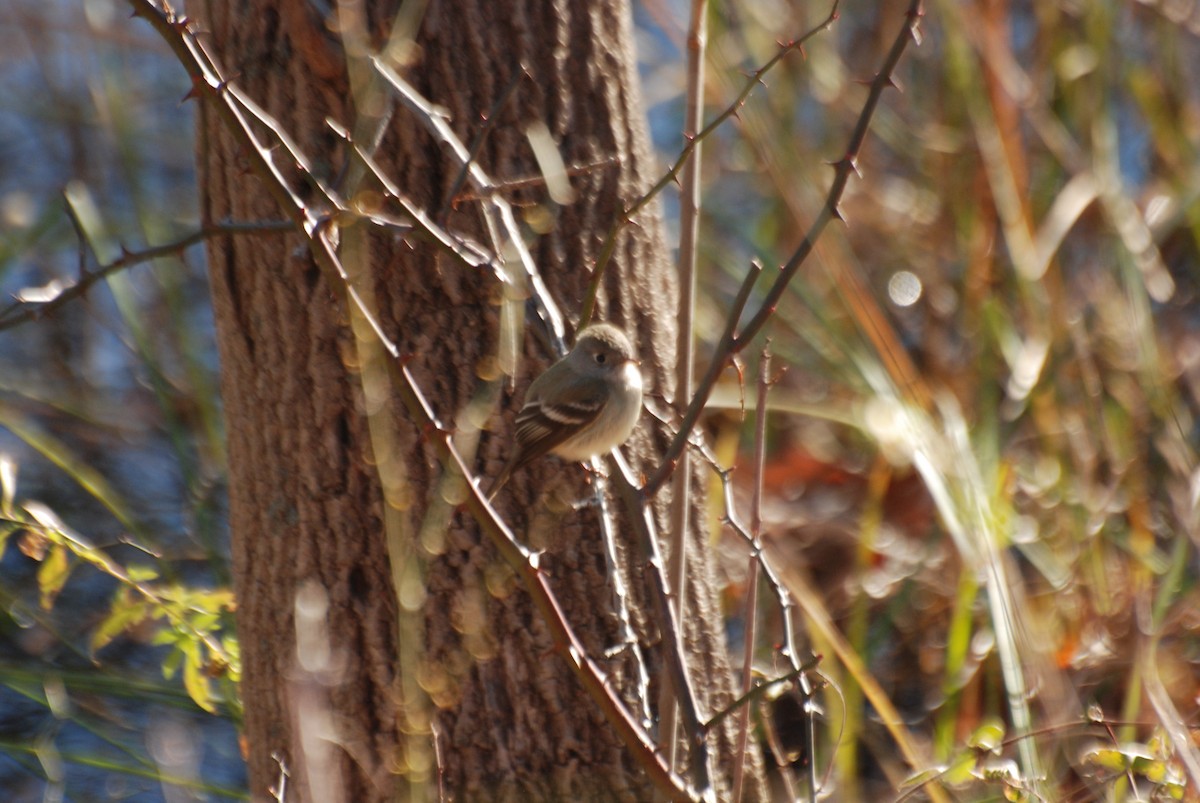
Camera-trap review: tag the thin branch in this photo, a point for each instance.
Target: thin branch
(25, 311)
(689, 234)
(672, 174)
(489, 123)
(757, 691)
(643, 522)
(498, 214)
(509, 185)
(467, 251)
(750, 612)
(730, 344)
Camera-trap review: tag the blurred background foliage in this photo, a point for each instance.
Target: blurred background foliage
(981, 455)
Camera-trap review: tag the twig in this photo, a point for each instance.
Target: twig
(628, 639)
(757, 691)
(489, 123)
(750, 611)
(645, 528)
(498, 214)
(668, 178)
(467, 251)
(509, 185)
(733, 342)
(24, 311)
(689, 232)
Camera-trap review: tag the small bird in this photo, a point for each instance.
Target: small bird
(584, 405)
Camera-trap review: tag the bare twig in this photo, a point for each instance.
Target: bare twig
(23, 311)
(628, 642)
(489, 123)
(689, 231)
(509, 185)
(740, 704)
(750, 611)
(672, 174)
(498, 215)
(733, 341)
(645, 528)
(468, 252)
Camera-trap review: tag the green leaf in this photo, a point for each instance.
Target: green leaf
(198, 684)
(126, 613)
(140, 573)
(1107, 757)
(52, 574)
(962, 770)
(171, 663)
(206, 622)
(167, 636)
(1152, 769)
(989, 736)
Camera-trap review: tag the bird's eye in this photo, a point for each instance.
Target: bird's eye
(602, 358)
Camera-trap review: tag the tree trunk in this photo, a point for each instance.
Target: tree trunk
(309, 524)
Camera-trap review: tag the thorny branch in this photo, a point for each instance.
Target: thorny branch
(24, 310)
(733, 341)
(672, 174)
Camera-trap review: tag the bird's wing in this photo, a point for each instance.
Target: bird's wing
(542, 424)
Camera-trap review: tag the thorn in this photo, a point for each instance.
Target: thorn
(845, 161)
(837, 213)
(914, 22)
(192, 93)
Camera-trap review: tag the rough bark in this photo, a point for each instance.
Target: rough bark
(305, 497)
